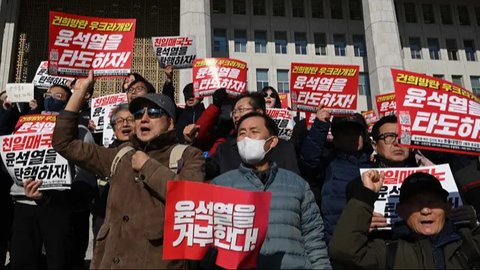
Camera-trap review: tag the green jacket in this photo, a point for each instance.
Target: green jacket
(351, 247)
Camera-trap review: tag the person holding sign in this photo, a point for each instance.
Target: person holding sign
(425, 238)
(132, 233)
(295, 228)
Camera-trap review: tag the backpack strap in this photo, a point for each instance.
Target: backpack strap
(118, 157)
(175, 157)
(391, 252)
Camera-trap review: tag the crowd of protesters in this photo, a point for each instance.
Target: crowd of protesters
(321, 213)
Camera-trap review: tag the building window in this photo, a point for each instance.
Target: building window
(438, 76)
(278, 7)
(359, 45)
(475, 80)
(260, 41)
(477, 15)
(298, 8)
(457, 79)
(300, 43)
(336, 9)
(220, 40)
(433, 48)
(363, 84)
(259, 7)
(262, 78)
(317, 9)
(240, 40)
(283, 85)
(415, 47)
(280, 42)
(428, 14)
(239, 7)
(470, 51)
(218, 6)
(340, 45)
(452, 49)
(446, 14)
(463, 16)
(410, 12)
(320, 43)
(356, 12)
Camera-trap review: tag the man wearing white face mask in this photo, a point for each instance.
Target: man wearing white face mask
(295, 238)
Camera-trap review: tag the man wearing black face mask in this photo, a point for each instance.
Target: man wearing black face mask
(56, 98)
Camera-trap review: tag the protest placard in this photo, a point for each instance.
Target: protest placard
(389, 194)
(19, 92)
(435, 114)
(102, 105)
(370, 118)
(211, 74)
(199, 215)
(108, 136)
(334, 86)
(284, 120)
(177, 51)
(386, 104)
(78, 43)
(284, 99)
(29, 154)
(44, 81)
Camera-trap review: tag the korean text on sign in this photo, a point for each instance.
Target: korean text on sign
(435, 114)
(386, 104)
(213, 73)
(78, 44)
(102, 105)
(334, 86)
(176, 51)
(389, 193)
(44, 81)
(201, 215)
(284, 120)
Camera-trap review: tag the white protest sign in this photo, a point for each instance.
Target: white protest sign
(176, 51)
(44, 81)
(19, 92)
(108, 136)
(284, 120)
(389, 194)
(100, 107)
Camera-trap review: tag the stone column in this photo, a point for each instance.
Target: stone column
(384, 49)
(195, 21)
(9, 12)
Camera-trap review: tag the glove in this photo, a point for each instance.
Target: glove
(464, 216)
(220, 97)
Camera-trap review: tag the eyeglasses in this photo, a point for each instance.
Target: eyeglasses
(134, 90)
(240, 111)
(120, 121)
(53, 95)
(265, 94)
(388, 137)
(151, 112)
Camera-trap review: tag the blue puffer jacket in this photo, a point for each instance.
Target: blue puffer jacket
(295, 238)
(340, 169)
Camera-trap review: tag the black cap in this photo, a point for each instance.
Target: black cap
(161, 100)
(420, 182)
(349, 120)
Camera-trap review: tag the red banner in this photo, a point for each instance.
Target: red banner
(335, 86)
(284, 99)
(35, 123)
(211, 74)
(78, 43)
(370, 118)
(386, 104)
(435, 114)
(199, 215)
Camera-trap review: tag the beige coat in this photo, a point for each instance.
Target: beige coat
(132, 234)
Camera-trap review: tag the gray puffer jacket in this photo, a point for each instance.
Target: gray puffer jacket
(295, 237)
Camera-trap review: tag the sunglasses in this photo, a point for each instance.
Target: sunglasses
(265, 94)
(151, 112)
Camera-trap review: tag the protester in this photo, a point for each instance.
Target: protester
(123, 125)
(425, 238)
(139, 87)
(129, 79)
(295, 230)
(272, 100)
(341, 164)
(132, 234)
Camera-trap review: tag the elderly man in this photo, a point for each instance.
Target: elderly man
(132, 234)
(295, 230)
(424, 239)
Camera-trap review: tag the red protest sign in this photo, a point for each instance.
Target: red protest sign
(35, 123)
(209, 74)
(436, 114)
(78, 43)
(386, 104)
(334, 86)
(370, 118)
(284, 99)
(199, 215)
